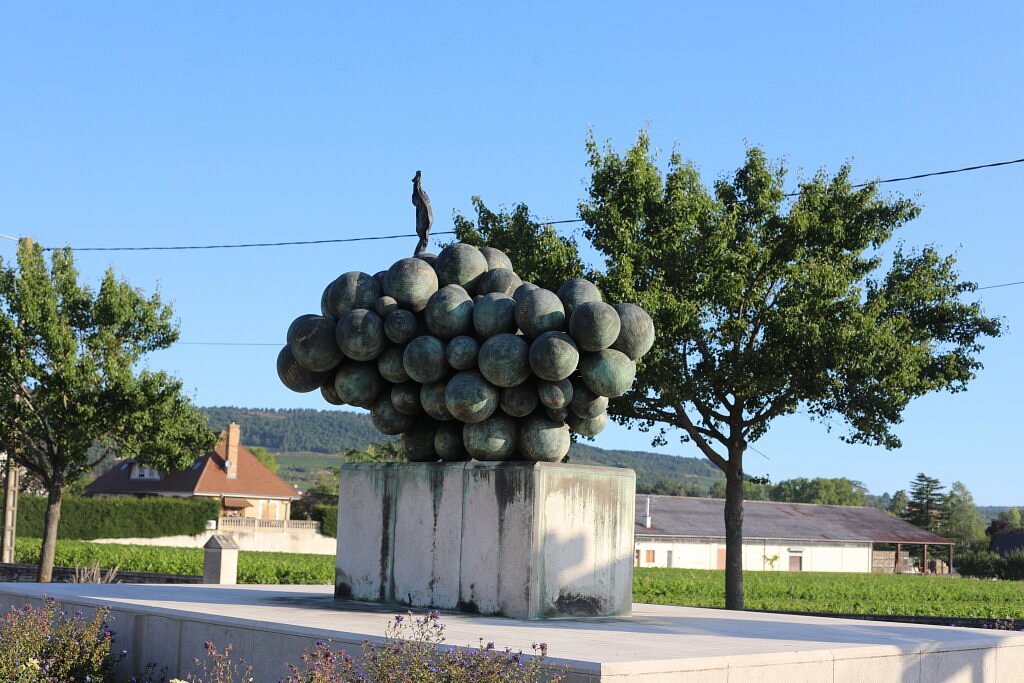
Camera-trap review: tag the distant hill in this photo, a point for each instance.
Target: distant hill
(298, 430)
(649, 467)
(990, 512)
(310, 440)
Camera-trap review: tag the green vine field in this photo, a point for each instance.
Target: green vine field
(831, 593)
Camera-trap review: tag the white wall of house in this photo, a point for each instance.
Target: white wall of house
(758, 554)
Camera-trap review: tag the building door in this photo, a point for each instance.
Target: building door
(796, 563)
(668, 558)
(721, 559)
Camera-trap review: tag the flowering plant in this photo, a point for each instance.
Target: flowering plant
(413, 652)
(46, 645)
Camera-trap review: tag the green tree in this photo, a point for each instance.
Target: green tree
(539, 254)
(926, 506)
(265, 457)
(765, 302)
(820, 491)
(70, 391)
(964, 523)
(664, 487)
(387, 451)
(898, 504)
(1012, 517)
(324, 489)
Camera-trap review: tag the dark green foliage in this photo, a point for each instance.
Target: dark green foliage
(327, 515)
(963, 524)
(926, 507)
(898, 504)
(88, 518)
(315, 431)
(72, 378)
(265, 457)
(978, 562)
(821, 491)
(649, 467)
(542, 257)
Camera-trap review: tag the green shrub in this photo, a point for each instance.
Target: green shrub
(327, 515)
(88, 518)
(1013, 566)
(981, 564)
(45, 645)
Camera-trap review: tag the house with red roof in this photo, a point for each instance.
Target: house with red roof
(230, 473)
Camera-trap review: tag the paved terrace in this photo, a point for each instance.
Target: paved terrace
(269, 625)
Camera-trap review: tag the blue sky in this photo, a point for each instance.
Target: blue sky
(141, 124)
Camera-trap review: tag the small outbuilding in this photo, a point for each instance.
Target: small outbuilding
(678, 531)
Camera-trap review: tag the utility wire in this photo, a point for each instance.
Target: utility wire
(929, 175)
(254, 244)
(1005, 284)
(450, 232)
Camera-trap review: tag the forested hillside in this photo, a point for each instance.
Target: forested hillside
(651, 468)
(332, 431)
(315, 431)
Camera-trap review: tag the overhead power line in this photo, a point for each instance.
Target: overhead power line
(253, 244)
(917, 176)
(1005, 284)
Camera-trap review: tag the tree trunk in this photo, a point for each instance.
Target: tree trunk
(46, 555)
(734, 531)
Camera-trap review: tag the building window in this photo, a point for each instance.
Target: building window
(649, 557)
(143, 472)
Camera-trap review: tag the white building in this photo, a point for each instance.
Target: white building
(676, 531)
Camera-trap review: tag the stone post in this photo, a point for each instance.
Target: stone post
(220, 560)
(10, 518)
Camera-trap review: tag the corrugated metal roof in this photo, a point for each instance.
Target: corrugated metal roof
(704, 517)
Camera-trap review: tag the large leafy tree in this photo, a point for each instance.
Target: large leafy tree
(766, 302)
(964, 523)
(538, 253)
(820, 491)
(71, 391)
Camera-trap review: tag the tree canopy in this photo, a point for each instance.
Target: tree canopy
(71, 392)
(926, 506)
(767, 301)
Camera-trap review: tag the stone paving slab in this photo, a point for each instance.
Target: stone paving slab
(269, 625)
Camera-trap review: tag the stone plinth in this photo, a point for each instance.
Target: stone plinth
(517, 539)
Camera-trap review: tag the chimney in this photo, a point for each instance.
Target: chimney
(647, 516)
(231, 451)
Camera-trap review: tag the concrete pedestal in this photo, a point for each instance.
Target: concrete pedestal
(523, 540)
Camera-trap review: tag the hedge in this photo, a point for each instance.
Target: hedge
(327, 515)
(89, 518)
